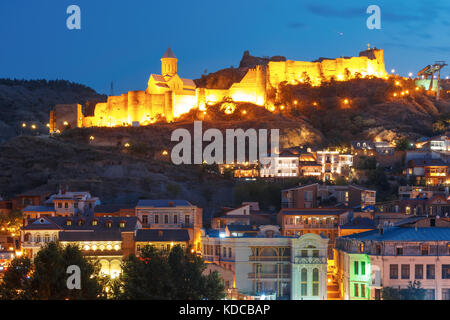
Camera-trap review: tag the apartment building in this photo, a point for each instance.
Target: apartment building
(392, 257)
(172, 214)
(270, 265)
(284, 165)
(334, 164)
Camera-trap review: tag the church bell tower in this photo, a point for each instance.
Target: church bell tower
(169, 64)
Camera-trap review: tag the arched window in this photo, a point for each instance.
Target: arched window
(46, 237)
(315, 282)
(304, 282)
(27, 237)
(37, 238)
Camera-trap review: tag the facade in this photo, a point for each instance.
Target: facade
(429, 171)
(334, 164)
(172, 214)
(324, 222)
(436, 206)
(105, 239)
(270, 265)
(316, 195)
(392, 257)
(284, 165)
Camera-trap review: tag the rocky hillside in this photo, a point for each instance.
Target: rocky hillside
(116, 175)
(31, 101)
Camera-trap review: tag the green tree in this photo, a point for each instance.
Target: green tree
(164, 275)
(403, 144)
(16, 283)
(412, 292)
(49, 279)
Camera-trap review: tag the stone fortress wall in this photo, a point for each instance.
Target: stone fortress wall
(169, 96)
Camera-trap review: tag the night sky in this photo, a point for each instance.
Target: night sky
(122, 41)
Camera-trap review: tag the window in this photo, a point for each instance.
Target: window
(445, 294)
(393, 271)
(355, 267)
(356, 290)
(405, 271)
(108, 224)
(315, 282)
(399, 251)
(429, 294)
(304, 253)
(361, 247)
(378, 249)
(315, 253)
(122, 224)
(418, 271)
(75, 205)
(446, 271)
(38, 238)
(59, 205)
(138, 247)
(408, 210)
(47, 239)
(166, 219)
(187, 219)
(424, 249)
(224, 252)
(80, 222)
(431, 271)
(66, 205)
(156, 219)
(363, 268)
(94, 222)
(68, 222)
(363, 291)
(229, 253)
(145, 219)
(304, 282)
(432, 222)
(175, 219)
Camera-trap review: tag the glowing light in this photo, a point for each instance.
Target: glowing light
(127, 145)
(410, 74)
(244, 112)
(94, 247)
(92, 138)
(397, 83)
(66, 123)
(116, 247)
(165, 153)
(340, 77)
(48, 125)
(33, 126)
(24, 125)
(228, 107)
(295, 102)
(417, 88)
(86, 247)
(395, 94)
(109, 247)
(346, 101)
(282, 107)
(393, 71)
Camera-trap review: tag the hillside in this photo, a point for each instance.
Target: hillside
(30, 101)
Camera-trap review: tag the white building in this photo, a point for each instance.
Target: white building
(270, 265)
(284, 165)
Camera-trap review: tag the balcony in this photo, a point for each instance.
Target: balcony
(269, 258)
(311, 226)
(262, 275)
(310, 260)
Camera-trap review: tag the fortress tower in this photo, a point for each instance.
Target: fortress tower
(168, 64)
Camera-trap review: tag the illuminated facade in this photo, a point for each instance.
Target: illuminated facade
(105, 239)
(370, 261)
(168, 95)
(268, 265)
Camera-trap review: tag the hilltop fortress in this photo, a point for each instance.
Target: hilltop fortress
(168, 95)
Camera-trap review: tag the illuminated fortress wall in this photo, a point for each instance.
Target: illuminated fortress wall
(369, 63)
(168, 95)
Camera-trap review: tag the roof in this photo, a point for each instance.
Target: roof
(90, 236)
(162, 235)
(404, 234)
(359, 223)
(164, 203)
(39, 209)
(52, 223)
(368, 144)
(426, 162)
(169, 54)
(321, 211)
(241, 227)
(111, 208)
(188, 82)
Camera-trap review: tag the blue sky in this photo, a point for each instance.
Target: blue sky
(122, 41)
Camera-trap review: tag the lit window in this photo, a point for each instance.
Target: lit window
(122, 224)
(94, 222)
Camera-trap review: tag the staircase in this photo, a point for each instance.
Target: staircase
(333, 290)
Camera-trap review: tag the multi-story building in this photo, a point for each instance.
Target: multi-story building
(436, 206)
(105, 239)
(392, 257)
(284, 165)
(363, 148)
(334, 164)
(64, 204)
(316, 195)
(429, 171)
(172, 214)
(421, 192)
(325, 222)
(269, 265)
